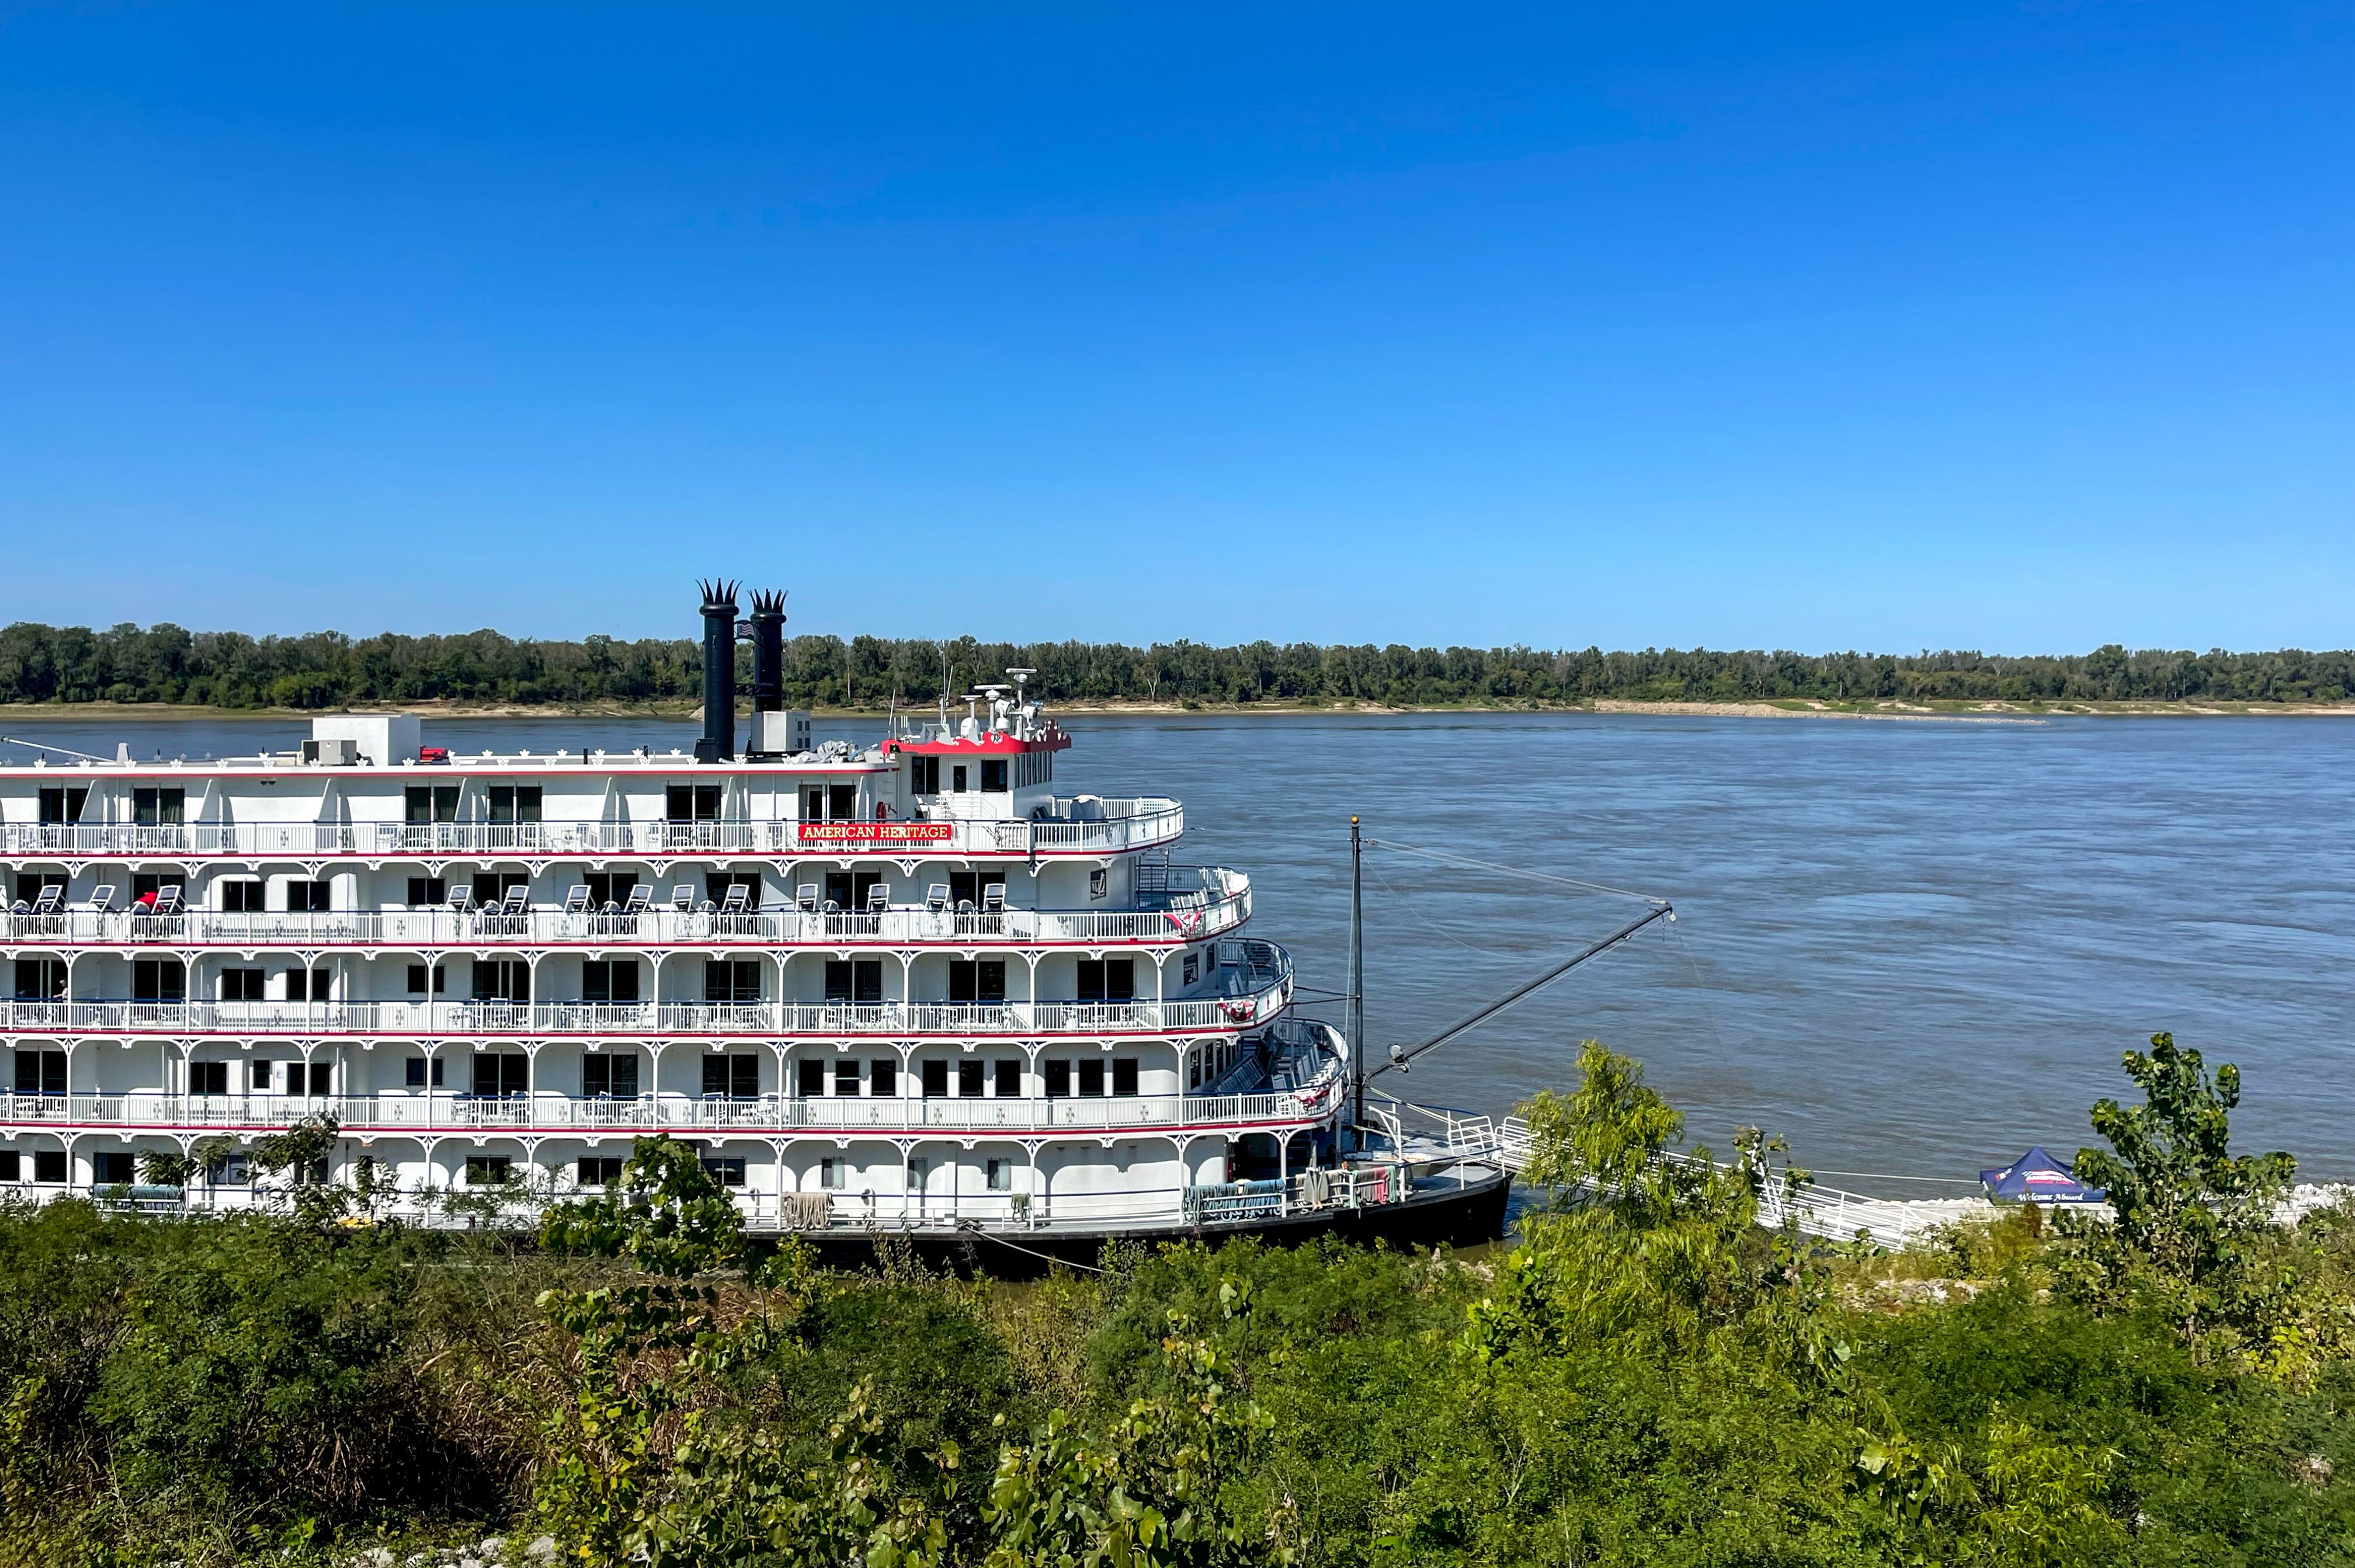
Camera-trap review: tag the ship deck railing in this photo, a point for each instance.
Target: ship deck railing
(1219, 904)
(753, 1116)
(1262, 992)
(827, 1211)
(1114, 826)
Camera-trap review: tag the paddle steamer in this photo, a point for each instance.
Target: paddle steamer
(914, 988)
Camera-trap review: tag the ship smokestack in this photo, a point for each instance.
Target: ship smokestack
(768, 651)
(718, 743)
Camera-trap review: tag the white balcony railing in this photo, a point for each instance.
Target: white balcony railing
(1221, 904)
(1258, 991)
(768, 1116)
(1115, 825)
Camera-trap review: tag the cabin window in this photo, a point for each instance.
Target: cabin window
(158, 807)
(111, 1168)
(597, 1170)
(993, 775)
(810, 1077)
(936, 1079)
(691, 803)
(853, 980)
(1098, 882)
(425, 892)
(1059, 1079)
(60, 806)
(41, 979)
(430, 803)
(417, 1071)
(501, 1074)
(732, 1077)
(849, 891)
(611, 888)
(322, 1076)
(502, 980)
(12, 1166)
(417, 979)
(1010, 1078)
(207, 1077)
(1124, 1077)
(167, 980)
(259, 1078)
(842, 802)
(830, 1173)
(726, 1169)
(923, 776)
(957, 778)
(308, 897)
(981, 980)
(493, 887)
(846, 1078)
(49, 1165)
(1107, 979)
(241, 895)
(1091, 1077)
(609, 980)
(969, 1076)
(610, 1075)
(515, 803)
(883, 1077)
(1193, 968)
(148, 885)
(489, 1171)
(731, 981)
(308, 985)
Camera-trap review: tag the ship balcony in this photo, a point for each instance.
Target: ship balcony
(1079, 825)
(1313, 1095)
(1218, 900)
(1254, 990)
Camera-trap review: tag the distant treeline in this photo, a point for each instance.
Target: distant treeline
(329, 669)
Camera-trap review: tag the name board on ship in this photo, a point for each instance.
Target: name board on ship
(877, 832)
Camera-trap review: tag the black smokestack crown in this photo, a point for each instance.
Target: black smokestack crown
(768, 651)
(718, 743)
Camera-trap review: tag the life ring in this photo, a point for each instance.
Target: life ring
(1237, 1009)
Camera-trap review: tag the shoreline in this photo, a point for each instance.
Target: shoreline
(1988, 711)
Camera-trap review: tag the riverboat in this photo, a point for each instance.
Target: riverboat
(904, 991)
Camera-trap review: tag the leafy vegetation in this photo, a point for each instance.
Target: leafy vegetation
(166, 664)
(1650, 1376)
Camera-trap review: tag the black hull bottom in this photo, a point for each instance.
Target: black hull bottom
(1445, 1216)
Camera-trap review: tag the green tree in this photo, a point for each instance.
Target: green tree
(2191, 1218)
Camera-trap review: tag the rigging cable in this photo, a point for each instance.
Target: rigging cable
(1452, 859)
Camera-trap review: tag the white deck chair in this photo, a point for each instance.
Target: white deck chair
(737, 899)
(576, 899)
(805, 898)
(936, 898)
(640, 897)
(102, 899)
(167, 899)
(992, 899)
(878, 899)
(682, 897)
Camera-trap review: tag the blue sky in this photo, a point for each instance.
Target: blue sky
(2023, 328)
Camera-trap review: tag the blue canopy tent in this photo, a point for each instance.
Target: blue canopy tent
(2037, 1178)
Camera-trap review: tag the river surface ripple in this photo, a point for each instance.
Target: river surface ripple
(1911, 948)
